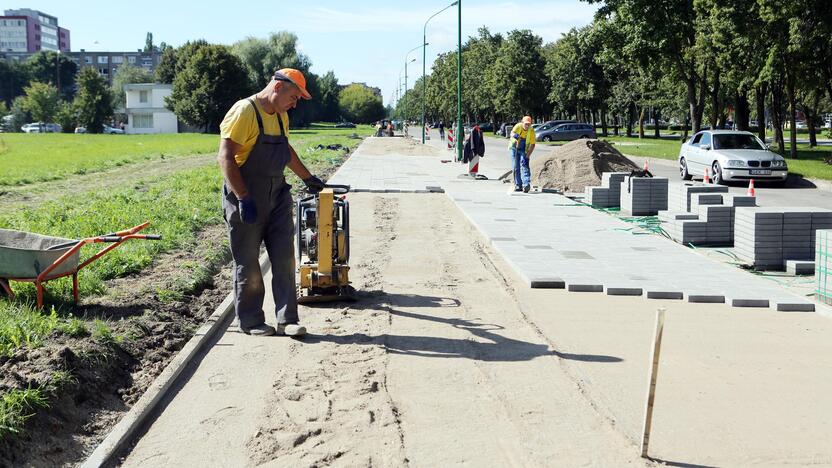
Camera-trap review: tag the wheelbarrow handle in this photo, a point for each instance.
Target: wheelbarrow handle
(111, 238)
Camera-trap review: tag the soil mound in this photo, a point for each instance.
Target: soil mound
(578, 164)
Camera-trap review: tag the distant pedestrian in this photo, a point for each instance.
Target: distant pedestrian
(442, 130)
(521, 145)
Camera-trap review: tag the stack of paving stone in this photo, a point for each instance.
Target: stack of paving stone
(608, 195)
(823, 265)
(644, 196)
(710, 220)
(679, 196)
(780, 238)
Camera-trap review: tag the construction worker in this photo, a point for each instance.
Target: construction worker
(257, 204)
(521, 144)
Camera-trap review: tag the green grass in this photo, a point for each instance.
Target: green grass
(178, 205)
(810, 162)
(16, 406)
(36, 157)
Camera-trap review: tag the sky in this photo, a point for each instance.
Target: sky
(361, 41)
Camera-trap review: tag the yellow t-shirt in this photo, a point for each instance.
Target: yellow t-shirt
(527, 134)
(240, 126)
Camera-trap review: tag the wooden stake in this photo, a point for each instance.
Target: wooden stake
(651, 389)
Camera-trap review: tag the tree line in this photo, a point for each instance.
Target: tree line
(207, 79)
(690, 63)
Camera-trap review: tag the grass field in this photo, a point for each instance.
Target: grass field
(179, 205)
(810, 162)
(38, 157)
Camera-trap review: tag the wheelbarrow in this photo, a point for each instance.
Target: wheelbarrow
(34, 258)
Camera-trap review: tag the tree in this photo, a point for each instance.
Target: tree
(94, 101)
(128, 74)
(66, 117)
(518, 75)
(174, 60)
(211, 80)
(262, 57)
(13, 78)
(329, 90)
(42, 67)
(41, 101)
(19, 114)
(148, 43)
(360, 104)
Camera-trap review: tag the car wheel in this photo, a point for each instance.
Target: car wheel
(584, 137)
(546, 138)
(717, 174)
(683, 170)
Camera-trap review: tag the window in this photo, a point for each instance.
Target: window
(118, 59)
(88, 60)
(142, 120)
(696, 139)
(706, 140)
(131, 59)
(103, 59)
(104, 71)
(143, 96)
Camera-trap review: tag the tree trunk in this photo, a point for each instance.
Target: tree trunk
(656, 116)
(604, 120)
(630, 119)
(792, 129)
(641, 123)
(616, 121)
(741, 110)
(760, 93)
(777, 114)
(715, 104)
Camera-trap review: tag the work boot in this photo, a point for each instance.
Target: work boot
(291, 329)
(517, 188)
(526, 189)
(259, 330)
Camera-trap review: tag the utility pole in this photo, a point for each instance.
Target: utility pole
(460, 133)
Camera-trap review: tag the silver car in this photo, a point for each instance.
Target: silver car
(730, 155)
(565, 132)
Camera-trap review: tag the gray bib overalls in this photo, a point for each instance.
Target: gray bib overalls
(263, 175)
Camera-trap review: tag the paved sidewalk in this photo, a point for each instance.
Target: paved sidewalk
(554, 242)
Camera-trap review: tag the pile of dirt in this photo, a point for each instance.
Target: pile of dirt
(578, 164)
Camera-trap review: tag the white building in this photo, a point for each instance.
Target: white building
(146, 111)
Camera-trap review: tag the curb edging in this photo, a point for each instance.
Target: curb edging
(122, 435)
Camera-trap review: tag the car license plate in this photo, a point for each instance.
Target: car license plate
(760, 171)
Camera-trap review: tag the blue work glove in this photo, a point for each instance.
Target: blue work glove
(516, 136)
(248, 210)
(313, 184)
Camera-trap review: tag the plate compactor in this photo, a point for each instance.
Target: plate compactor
(322, 233)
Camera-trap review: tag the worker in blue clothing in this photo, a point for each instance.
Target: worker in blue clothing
(521, 145)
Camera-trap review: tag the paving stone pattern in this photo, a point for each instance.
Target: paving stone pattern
(555, 242)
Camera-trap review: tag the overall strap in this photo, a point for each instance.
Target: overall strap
(280, 122)
(257, 113)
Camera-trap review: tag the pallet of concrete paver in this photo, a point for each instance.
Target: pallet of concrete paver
(823, 265)
(679, 195)
(608, 194)
(644, 196)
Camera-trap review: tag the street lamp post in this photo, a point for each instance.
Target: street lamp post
(459, 135)
(424, 60)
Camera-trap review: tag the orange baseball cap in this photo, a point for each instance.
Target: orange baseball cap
(296, 77)
(527, 119)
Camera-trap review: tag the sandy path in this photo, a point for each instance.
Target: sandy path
(434, 366)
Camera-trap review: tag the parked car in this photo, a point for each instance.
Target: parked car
(40, 127)
(112, 130)
(345, 125)
(566, 132)
(80, 129)
(486, 126)
(549, 125)
(730, 155)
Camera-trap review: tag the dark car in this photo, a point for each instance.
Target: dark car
(345, 125)
(486, 126)
(566, 132)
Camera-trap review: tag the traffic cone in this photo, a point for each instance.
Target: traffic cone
(751, 192)
(707, 178)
